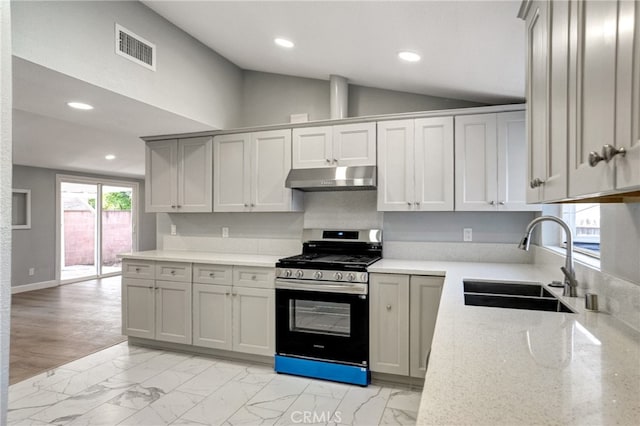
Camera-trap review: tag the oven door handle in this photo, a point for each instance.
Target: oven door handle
(325, 287)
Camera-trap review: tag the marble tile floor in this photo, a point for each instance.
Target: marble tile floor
(131, 385)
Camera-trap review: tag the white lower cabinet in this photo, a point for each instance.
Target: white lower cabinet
(156, 309)
(138, 307)
(232, 317)
(403, 311)
(212, 307)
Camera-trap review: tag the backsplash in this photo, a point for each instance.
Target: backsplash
(270, 246)
(616, 296)
(456, 252)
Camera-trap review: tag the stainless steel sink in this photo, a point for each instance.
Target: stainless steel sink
(501, 294)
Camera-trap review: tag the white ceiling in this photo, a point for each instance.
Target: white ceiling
(471, 50)
(47, 133)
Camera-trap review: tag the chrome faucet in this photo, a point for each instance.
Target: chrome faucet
(570, 282)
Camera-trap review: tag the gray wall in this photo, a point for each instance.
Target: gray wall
(36, 247)
(272, 98)
(77, 38)
(5, 201)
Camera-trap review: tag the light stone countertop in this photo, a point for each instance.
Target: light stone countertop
(491, 366)
(260, 260)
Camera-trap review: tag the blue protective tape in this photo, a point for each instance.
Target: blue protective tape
(322, 370)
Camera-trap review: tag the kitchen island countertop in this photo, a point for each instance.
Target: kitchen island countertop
(491, 366)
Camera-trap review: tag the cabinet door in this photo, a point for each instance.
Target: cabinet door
(195, 174)
(512, 157)
(354, 144)
(271, 163)
(232, 172)
(212, 307)
(312, 147)
(434, 164)
(595, 100)
(254, 321)
(389, 323)
(173, 311)
(425, 300)
(138, 302)
(161, 177)
(628, 96)
(555, 178)
(396, 165)
(476, 162)
(537, 98)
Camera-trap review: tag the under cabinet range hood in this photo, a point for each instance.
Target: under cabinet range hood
(341, 178)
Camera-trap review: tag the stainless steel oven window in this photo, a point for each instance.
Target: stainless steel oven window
(312, 316)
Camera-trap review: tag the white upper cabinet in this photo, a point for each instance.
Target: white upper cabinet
(490, 158)
(583, 72)
(179, 175)
(332, 146)
(547, 110)
(250, 172)
(415, 165)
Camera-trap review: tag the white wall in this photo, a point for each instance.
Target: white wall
(77, 38)
(620, 240)
(272, 98)
(5, 202)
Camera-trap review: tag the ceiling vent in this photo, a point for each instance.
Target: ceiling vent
(135, 48)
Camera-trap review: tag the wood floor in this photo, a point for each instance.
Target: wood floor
(57, 325)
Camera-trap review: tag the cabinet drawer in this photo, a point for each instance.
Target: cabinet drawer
(132, 268)
(212, 274)
(173, 271)
(248, 276)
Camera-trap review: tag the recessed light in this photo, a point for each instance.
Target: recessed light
(79, 105)
(283, 42)
(409, 56)
(110, 157)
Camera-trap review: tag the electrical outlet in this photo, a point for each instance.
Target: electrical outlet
(32, 271)
(225, 232)
(467, 234)
(173, 230)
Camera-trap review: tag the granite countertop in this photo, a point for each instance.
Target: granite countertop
(492, 366)
(260, 260)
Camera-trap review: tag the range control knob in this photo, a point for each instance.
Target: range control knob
(299, 273)
(287, 273)
(351, 276)
(317, 275)
(338, 276)
(363, 277)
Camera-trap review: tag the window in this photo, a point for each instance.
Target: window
(584, 221)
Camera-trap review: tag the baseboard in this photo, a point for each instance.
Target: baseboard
(34, 286)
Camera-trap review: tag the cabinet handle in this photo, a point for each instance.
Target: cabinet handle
(173, 272)
(150, 287)
(388, 307)
(409, 203)
(501, 203)
(253, 205)
(610, 151)
(137, 269)
(417, 203)
(536, 183)
(246, 205)
(227, 294)
(328, 161)
(335, 161)
(173, 206)
(492, 203)
(594, 158)
(211, 274)
(253, 277)
(179, 206)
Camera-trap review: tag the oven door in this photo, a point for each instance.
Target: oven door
(325, 325)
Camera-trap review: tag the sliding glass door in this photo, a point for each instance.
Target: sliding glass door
(96, 219)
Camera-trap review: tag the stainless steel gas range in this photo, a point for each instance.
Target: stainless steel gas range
(322, 305)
